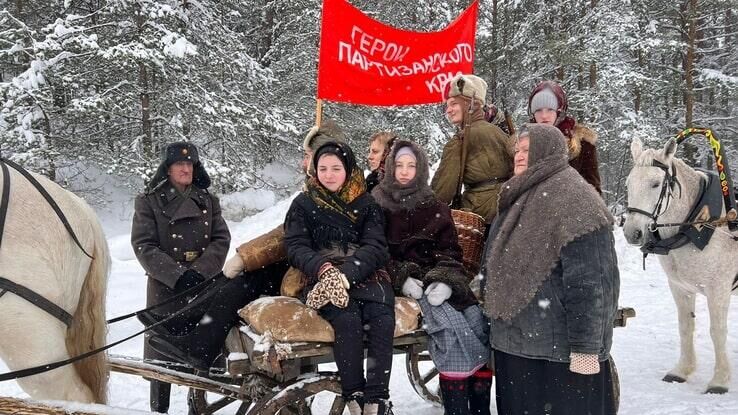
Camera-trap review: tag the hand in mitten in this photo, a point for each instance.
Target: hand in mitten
(413, 288)
(331, 288)
(437, 293)
(584, 364)
(233, 266)
(329, 271)
(188, 279)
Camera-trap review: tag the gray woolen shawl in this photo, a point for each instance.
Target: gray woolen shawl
(540, 211)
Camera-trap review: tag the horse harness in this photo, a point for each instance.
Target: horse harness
(9, 286)
(709, 196)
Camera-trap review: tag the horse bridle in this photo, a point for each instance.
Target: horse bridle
(667, 186)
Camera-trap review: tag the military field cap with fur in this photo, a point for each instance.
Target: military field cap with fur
(317, 136)
(470, 86)
(173, 153)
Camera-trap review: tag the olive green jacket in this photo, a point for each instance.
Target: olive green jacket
(489, 163)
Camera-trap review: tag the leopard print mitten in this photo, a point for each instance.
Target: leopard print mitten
(331, 288)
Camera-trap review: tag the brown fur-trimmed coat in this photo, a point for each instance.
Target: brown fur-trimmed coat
(421, 235)
(583, 153)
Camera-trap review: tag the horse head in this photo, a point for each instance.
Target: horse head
(652, 187)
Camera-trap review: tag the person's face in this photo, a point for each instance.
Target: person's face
(180, 174)
(455, 110)
(545, 116)
(306, 159)
(376, 150)
(331, 173)
(521, 155)
(405, 169)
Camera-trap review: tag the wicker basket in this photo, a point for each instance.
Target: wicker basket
(470, 228)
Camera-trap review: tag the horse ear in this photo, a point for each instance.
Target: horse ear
(636, 148)
(670, 148)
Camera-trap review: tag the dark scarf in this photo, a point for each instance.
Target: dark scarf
(392, 195)
(540, 212)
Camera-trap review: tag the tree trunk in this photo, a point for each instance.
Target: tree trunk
(689, 59)
(143, 86)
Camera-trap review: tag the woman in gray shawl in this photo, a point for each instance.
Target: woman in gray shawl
(552, 284)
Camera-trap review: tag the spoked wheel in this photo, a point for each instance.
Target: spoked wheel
(295, 398)
(423, 374)
(206, 403)
(615, 384)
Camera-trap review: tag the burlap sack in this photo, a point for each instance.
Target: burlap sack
(289, 320)
(292, 283)
(407, 315)
(263, 250)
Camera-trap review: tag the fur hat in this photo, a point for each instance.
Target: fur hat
(179, 151)
(470, 86)
(317, 136)
(174, 152)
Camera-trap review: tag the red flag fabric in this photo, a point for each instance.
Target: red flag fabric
(363, 61)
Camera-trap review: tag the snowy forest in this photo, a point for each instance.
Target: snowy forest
(102, 85)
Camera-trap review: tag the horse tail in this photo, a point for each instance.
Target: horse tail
(89, 329)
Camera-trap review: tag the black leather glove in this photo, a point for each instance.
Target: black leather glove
(188, 279)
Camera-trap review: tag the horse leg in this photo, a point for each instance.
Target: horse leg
(718, 305)
(38, 339)
(685, 302)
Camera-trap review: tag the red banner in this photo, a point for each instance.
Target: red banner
(363, 61)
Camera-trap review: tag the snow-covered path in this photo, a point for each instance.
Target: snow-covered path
(644, 350)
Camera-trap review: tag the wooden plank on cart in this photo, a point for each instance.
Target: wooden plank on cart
(17, 406)
(135, 366)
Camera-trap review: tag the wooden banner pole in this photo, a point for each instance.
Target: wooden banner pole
(318, 112)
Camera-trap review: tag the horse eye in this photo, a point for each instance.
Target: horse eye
(654, 185)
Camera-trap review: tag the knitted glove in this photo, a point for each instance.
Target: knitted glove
(584, 364)
(233, 266)
(413, 288)
(437, 293)
(330, 289)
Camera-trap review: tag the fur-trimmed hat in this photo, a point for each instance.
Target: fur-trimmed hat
(470, 86)
(317, 136)
(179, 151)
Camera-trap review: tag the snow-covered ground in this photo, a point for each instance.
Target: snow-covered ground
(643, 351)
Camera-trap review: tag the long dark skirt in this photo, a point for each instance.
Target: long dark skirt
(534, 386)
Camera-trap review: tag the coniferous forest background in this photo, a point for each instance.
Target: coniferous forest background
(101, 85)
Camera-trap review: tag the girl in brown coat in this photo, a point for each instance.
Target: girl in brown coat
(547, 104)
(426, 264)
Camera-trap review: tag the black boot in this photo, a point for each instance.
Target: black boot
(480, 390)
(159, 396)
(455, 396)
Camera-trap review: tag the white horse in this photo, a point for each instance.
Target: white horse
(38, 253)
(663, 189)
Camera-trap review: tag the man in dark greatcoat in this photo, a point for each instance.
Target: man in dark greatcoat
(180, 239)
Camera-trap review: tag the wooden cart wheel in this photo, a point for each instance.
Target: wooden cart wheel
(296, 396)
(615, 384)
(206, 403)
(423, 374)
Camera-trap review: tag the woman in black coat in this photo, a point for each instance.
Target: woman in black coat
(334, 234)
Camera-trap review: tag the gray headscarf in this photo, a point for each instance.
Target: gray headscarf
(539, 212)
